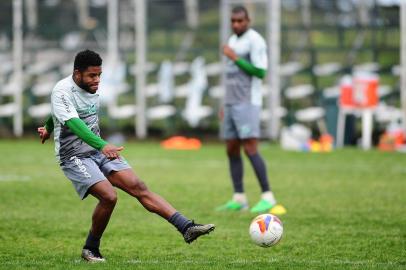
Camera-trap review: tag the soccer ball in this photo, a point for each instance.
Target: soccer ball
(266, 230)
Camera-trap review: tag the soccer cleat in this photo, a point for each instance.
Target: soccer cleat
(196, 230)
(278, 210)
(261, 206)
(232, 206)
(92, 255)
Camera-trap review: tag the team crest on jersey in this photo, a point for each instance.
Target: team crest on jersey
(89, 110)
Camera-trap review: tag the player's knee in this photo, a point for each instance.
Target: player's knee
(139, 188)
(110, 199)
(233, 151)
(249, 150)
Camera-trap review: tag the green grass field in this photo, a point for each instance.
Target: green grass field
(346, 210)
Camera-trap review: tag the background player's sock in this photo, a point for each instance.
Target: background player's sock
(236, 171)
(92, 242)
(260, 171)
(268, 196)
(240, 198)
(180, 222)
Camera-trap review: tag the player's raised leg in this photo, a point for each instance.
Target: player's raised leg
(130, 183)
(107, 197)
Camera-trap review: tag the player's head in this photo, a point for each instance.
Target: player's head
(87, 70)
(239, 20)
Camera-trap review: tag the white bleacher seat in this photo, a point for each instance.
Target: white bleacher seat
(113, 84)
(8, 109)
(122, 111)
(310, 114)
(71, 41)
(150, 67)
(214, 69)
(40, 110)
(180, 68)
(326, 69)
(14, 90)
(290, 68)
(370, 67)
(165, 89)
(66, 69)
(151, 90)
(10, 88)
(160, 112)
(332, 92)
(396, 70)
(299, 91)
(217, 91)
(194, 110)
(43, 89)
(112, 81)
(280, 112)
(384, 90)
(387, 114)
(166, 82)
(181, 91)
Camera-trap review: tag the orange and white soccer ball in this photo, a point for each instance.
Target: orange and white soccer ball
(266, 230)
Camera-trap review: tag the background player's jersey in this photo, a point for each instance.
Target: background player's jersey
(241, 87)
(70, 101)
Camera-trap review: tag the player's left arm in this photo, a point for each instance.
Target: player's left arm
(250, 69)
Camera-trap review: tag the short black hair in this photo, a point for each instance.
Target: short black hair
(239, 9)
(85, 59)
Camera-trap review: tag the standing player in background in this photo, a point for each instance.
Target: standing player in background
(246, 67)
(93, 165)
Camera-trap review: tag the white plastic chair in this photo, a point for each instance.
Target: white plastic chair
(194, 110)
(165, 92)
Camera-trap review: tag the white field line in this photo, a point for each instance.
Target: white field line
(14, 178)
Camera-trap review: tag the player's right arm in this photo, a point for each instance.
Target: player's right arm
(65, 112)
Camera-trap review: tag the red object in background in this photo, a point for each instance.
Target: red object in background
(366, 91)
(390, 141)
(346, 93)
(346, 96)
(181, 143)
(359, 92)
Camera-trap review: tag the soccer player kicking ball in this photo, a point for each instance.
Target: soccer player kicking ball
(246, 67)
(93, 165)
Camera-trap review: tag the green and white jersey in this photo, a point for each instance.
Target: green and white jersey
(241, 87)
(70, 101)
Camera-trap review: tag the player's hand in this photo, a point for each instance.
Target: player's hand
(43, 134)
(111, 151)
(227, 51)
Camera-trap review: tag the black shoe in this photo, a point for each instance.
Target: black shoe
(92, 255)
(196, 230)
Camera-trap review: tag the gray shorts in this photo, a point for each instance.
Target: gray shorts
(241, 121)
(84, 172)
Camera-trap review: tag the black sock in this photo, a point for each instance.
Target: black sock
(260, 170)
(92, 242)
(180, 222)
(236, 171)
